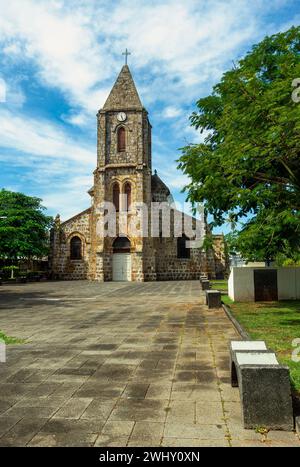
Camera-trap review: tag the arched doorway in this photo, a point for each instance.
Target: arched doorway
(121, 264)
(183, 252)
(76, 248)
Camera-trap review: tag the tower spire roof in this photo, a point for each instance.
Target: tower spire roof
(123, 94)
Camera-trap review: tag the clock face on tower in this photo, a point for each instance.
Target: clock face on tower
(121, 116)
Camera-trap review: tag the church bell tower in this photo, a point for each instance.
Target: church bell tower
(123, 168)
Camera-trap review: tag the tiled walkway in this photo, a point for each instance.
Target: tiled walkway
(119, 364)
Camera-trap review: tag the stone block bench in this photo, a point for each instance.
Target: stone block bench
(213, 298)
(204, 284)
(264, 386)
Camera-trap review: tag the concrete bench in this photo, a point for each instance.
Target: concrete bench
(242, 346)
(204, 284)
(203, 277)
(213, 298)
(264, 386)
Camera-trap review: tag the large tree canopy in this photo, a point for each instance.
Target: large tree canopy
(248, 165)
(24, 228)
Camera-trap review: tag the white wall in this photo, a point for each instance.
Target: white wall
(288, 283)
(241, 283)
(230, 285)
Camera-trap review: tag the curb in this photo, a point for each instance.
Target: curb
(244, 335)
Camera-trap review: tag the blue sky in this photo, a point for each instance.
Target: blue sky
(59, 60)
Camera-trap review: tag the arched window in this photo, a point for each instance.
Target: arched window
(127, 192)
(76, 248)
(121, 139)
(116, 196)
(182, 251)
(121, 245)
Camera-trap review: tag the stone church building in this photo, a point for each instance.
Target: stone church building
(124, 178)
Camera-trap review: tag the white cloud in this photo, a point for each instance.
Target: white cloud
(77, 46)
(14, 48)
(62, 201)
(15, 97)
(2, 91)
(180, 48)
(175, 180)
(40, 138)
(77, 119)
(63, 46)
(53, 164)
(171, 112)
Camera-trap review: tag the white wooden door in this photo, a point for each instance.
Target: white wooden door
(121, 267)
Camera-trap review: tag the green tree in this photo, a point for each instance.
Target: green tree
(24, 228)
(247, 169)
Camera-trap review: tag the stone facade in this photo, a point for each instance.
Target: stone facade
(220, 256)
(124, 160)
(61, 263)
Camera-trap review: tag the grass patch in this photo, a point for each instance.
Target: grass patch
(226, 299)
(10, 340)
(220, 284)
(277, 323)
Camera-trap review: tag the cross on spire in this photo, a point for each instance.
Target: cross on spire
(126, 53)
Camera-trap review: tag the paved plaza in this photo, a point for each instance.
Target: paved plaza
(119, 364)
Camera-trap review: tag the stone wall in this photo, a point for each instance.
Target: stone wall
(170, 267)
(134, 147)
(152, 258)
(221, 258)
(137, 272)
(62, 265)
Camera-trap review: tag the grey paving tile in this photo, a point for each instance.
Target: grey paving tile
(99, 409)
(108, 364)
(148, 433)
(135, 391)
(195, 430)
(7, 422)
(136, 409)
(185, 411)
(117, 429)
(77, 439)
(73, 408)
(61, 426)
(111, 441)
(193, 442)
(22, 432)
